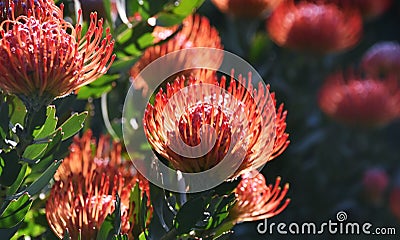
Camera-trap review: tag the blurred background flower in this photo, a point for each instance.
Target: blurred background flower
(314, 27)
(359, 101)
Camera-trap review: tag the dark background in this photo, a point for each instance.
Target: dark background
(325, 161)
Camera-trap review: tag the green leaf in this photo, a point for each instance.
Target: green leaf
(169, 19)
(50, 124)
(17, 111)
(4, 121)
(17, 183)
(186, 7)
(73, 124)
(34, 151)
(40, 182)
(15, 212)
(189, 214)
(11, 167)
(106, 229)
(93, 92)
(102, 85)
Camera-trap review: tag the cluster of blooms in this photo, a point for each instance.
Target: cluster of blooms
(86, 185)
(367, 97)
(43, 57)
(84, 192)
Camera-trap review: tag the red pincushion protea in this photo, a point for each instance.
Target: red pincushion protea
(381, 59)
(314, 27)
(246, 8)
(40, 9)
(40, 61)
(226, 117)
(256, 200)
(368, 8)
(365, 102)
(86, 186)
(196, 32)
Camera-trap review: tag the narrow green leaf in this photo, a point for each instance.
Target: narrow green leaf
(50, 124)
(10, 169)
(17, 183)
(17, 111)
(93, 91)
(40, 182)
(15, 211)
(4, 120)
(106, 229)
(73, 124)
(186, 7)
(34, 151)
(43, 180)
(168, 19)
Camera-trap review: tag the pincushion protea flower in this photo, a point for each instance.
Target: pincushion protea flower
(383, 58)
(86, 186)
(196, 31)
(256, 200)
(368, 102)
(246, 8)
(42, 10)
(315, 27)
(226, 117)
(40, 61)
(368, 8)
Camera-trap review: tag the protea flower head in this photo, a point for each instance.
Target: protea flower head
(196, 31)
(40, 61)
(369, 8)
(316, 27)
(207, 102)
(86, 185)
(40, 9)
(255, 200)
(246, 8)
(360, 101)
(383, 58)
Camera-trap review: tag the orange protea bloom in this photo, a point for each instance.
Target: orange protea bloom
(381, 59)
(40, 61)
(40, 9)
(368, 8)
(362, 101)
(256, 200)
(196, 31)
(315, 27)
(246, 8)
(226, 117)
(86, 186)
